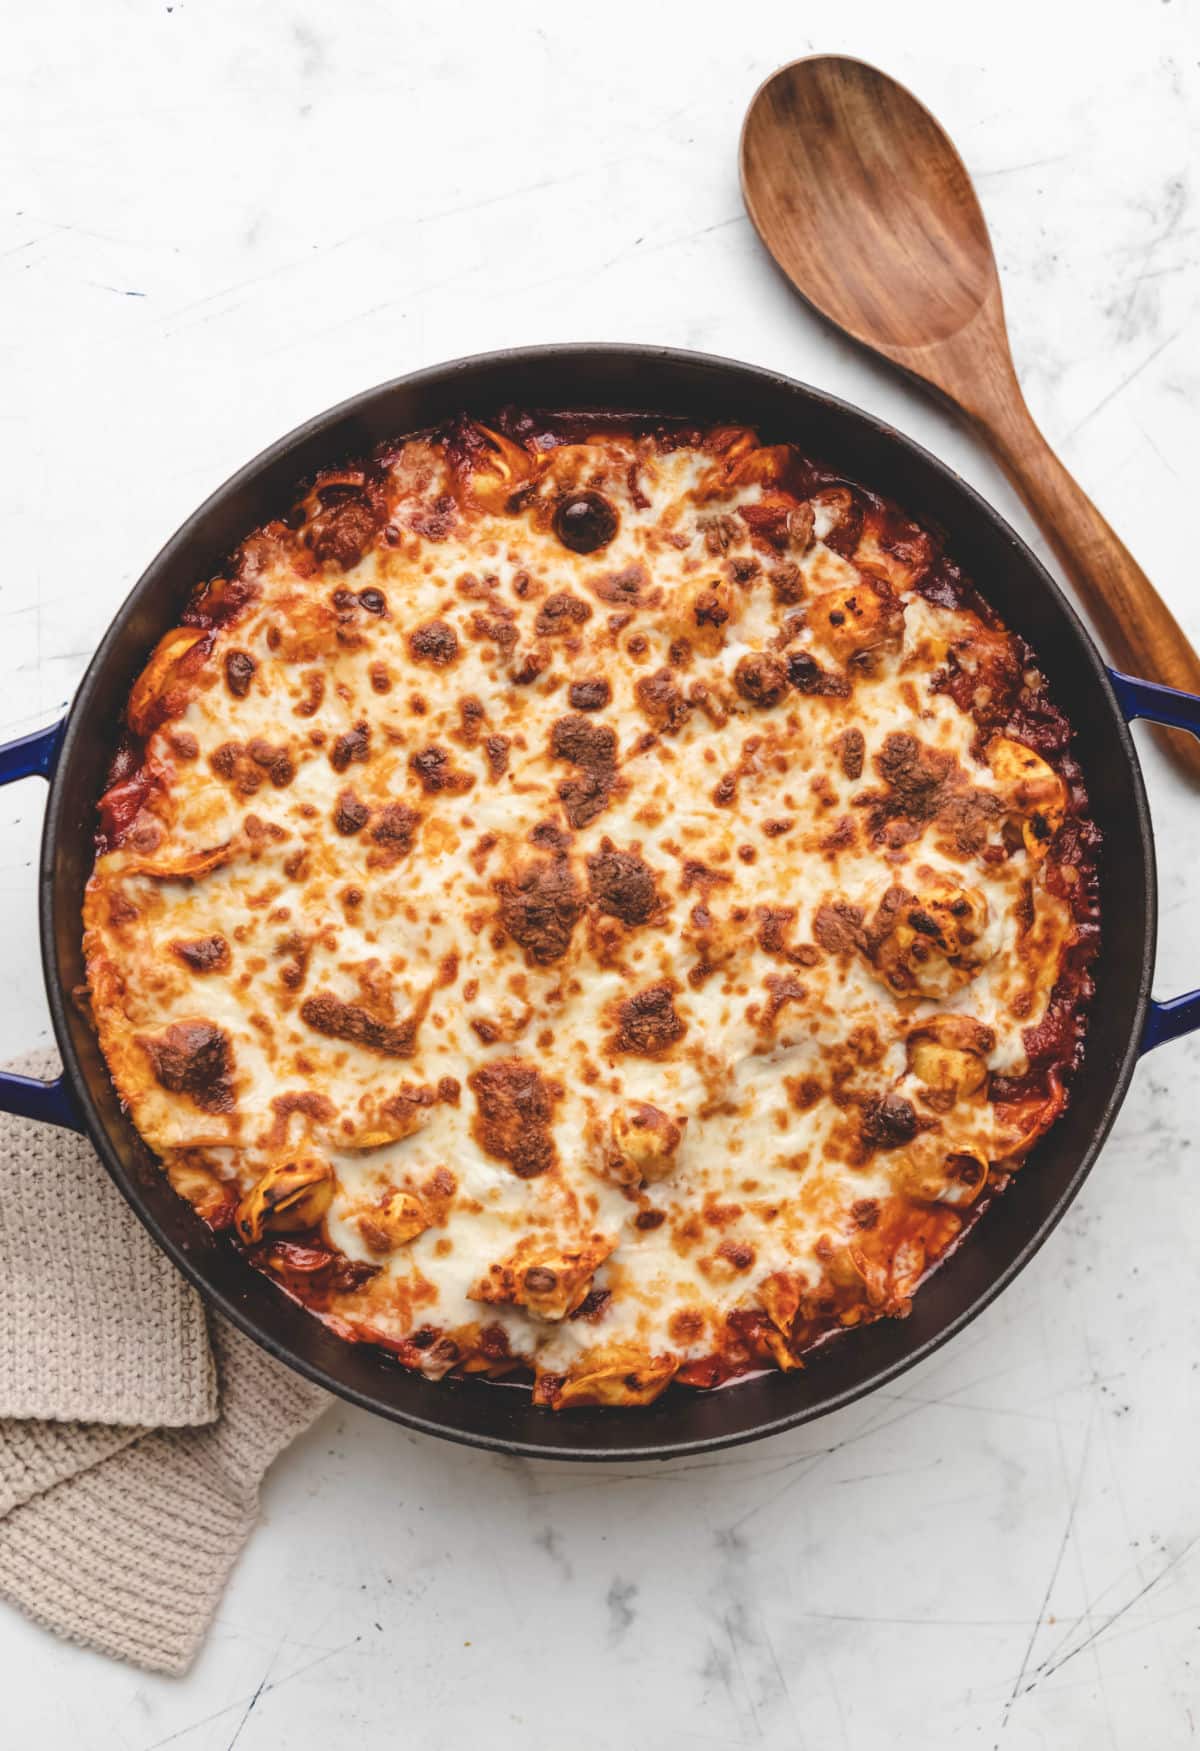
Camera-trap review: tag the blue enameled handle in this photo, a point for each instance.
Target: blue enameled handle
(36, 757)
(1181, 711)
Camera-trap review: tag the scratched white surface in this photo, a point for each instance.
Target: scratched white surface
(220, 216)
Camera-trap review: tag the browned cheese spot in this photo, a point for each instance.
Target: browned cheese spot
(807, 676)
(720, 533)
(309, 702)
(782, 989)
(277, 763)
(648, 1022)
(436, 642)
(471, 718)
(296, 950)
(496, 624)
(743, 570)
(540, 908)
(350, 814)
(864, 1212)
(534, 663)
(307, 1101)
(592, 748)
(183, 743)
(514, 1111)
(787, 586)
(342, 534)
(661, 699)
(916, 777)
(840, 836)
(884, 919)
(432, 768)
(697, 874)
(239, 672)
(496, 750)
(394, 829)
(327, 1014)
(738, 1253)
(247, 767)
(561, 614)
(353, 745)
(590, 695)
(622, 884)
(838, 927)
(407, 1107)
(625, 589)
(549, 836)
(194, 1058)
(924, 785)
(710, 608)
(774, 927)
(761, 679)
(203, 954)
(889, 1121)
(851, 750)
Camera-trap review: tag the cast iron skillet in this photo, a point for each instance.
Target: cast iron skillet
(73, 756)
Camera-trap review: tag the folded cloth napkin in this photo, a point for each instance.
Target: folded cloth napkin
(134, 1434)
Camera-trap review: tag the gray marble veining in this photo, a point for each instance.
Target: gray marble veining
(220, 217)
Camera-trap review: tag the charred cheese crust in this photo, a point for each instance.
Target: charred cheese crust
(604, 900)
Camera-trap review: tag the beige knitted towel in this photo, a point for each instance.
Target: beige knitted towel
(131, 1450)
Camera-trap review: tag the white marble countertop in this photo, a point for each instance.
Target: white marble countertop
(221, 216)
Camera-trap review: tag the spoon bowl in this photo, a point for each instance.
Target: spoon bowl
(837, 157)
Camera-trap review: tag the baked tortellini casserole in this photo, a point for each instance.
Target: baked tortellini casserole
(598, 902)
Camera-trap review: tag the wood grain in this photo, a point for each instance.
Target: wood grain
(864, 203)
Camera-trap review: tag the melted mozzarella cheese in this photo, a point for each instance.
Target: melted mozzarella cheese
(373, 829)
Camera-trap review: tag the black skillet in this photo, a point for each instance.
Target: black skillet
(74, 754)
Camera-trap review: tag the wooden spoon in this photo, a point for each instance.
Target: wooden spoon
(868, 209)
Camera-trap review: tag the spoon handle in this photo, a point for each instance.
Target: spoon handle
(1135, 624)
